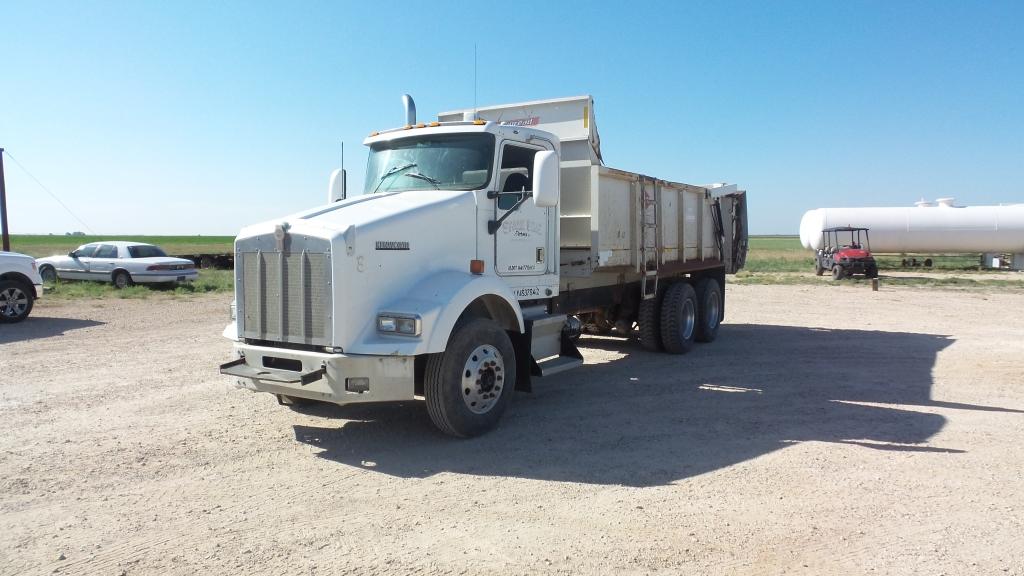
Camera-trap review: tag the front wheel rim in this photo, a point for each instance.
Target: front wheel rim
(483, 379)
(120, 281)
(13, 303)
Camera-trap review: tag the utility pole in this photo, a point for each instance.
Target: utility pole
(3, 206)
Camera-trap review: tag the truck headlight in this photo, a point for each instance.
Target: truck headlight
(403, 324)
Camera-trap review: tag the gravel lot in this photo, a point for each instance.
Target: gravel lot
(827, 431)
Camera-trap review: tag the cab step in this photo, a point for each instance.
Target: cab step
(551, 349)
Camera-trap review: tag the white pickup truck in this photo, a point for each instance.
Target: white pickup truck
(20, 286)
(482, 245)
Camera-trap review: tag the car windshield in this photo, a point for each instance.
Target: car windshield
(440, 161)
(146, 252)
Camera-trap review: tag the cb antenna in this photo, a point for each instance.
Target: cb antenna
(474, 80)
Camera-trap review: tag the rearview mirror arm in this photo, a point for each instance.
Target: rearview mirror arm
(493, 225)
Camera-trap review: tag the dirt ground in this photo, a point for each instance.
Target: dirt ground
(825, 432)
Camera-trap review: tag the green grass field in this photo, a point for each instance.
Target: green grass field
(209, 281)
(771, 260)
(41, 246)
(785, 254)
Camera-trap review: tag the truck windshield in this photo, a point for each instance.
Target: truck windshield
(440, 161)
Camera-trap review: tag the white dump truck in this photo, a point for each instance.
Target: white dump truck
(482, 245)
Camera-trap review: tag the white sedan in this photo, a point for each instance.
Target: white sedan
(121, 263)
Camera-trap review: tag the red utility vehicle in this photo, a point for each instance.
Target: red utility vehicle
(843, 252)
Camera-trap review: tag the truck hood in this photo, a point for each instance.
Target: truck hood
(359, 211)
(15, 256)
(378, 246)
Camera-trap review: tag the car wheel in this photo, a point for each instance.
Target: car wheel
(679, 318)
(48, 274)
(709, 309)
(16, 301)
(468, 386)
(122, 279)
(837, 272)
(818, 268)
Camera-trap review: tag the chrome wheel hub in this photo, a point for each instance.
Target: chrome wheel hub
(689, 319)
(714, 313)
(483, 378)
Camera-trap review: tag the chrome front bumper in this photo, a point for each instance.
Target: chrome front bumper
(333, 378)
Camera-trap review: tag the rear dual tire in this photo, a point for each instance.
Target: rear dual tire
(710, 307)
(649, 319)
(681, 315)
(679, 318)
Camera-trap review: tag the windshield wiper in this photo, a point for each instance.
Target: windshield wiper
(422, 176)
(392, 170)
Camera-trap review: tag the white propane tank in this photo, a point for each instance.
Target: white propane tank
(927, 227)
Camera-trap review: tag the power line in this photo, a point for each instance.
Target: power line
(54, 196)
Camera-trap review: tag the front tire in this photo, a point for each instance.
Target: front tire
(679, 318)
(48, 274)
(838, 273)
(469, 385)
(122, 279)
(16, 301)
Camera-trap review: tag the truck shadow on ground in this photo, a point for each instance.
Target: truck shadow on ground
(645, 419)
(41, 327)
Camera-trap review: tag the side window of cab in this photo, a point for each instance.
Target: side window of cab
(515, 175)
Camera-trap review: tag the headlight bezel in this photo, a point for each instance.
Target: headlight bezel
(399, 324)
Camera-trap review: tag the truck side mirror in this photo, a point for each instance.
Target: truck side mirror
(336, 187)
(545, 179)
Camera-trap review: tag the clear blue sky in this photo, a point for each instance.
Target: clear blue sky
(183, 118)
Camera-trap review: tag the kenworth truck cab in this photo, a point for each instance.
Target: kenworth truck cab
(479, 249)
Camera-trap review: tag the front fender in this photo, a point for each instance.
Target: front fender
(438, 300)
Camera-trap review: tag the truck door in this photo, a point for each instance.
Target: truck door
(521, 244)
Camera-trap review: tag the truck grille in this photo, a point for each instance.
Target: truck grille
(285, 296)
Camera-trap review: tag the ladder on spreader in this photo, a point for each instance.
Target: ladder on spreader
(649, 252)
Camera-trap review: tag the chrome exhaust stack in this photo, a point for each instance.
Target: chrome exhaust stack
(410, 110)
